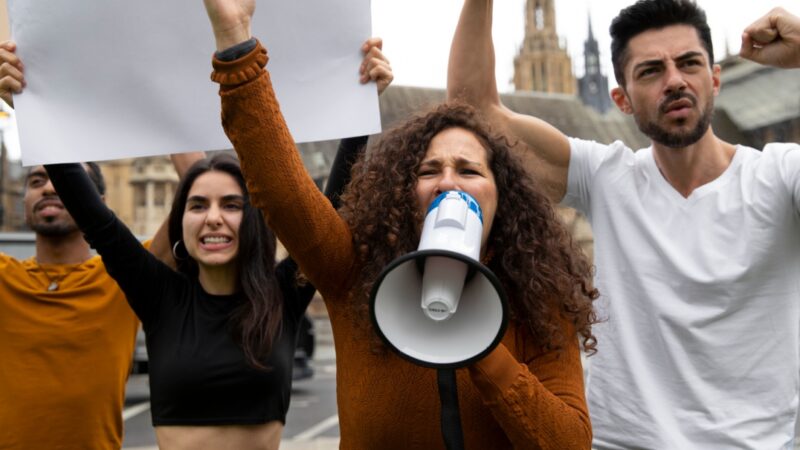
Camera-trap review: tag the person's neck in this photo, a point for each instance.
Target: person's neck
(688, 168)
(69, 249)
(221, 280)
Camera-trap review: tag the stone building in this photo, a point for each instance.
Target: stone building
(763, 103)
(12, 175)
(542, 64)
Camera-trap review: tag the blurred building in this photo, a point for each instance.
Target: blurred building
(762, 103)
(542, 64)
(5, 29)
(12, 215)
(593, 86)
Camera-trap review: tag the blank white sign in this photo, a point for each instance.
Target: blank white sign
(111, 79)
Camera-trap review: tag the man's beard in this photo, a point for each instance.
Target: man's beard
(677, 139)
(54, 229)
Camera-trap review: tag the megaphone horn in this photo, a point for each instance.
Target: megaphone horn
(453, 311)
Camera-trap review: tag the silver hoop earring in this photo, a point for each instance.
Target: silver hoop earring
(175, 251)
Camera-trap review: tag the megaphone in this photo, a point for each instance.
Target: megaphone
(439, 306)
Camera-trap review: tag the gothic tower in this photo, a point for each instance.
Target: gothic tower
(593, 86)
(542, 63)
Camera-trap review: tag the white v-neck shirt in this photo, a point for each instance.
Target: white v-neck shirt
(701, 295)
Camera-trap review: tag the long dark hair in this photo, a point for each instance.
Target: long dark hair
(547, 277)
(257, 322)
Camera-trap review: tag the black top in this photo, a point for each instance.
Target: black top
(198, 373)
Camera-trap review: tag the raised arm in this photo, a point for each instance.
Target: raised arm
(374, 68)
(471, 78)
(125, 258)
(773, 40)
(299, 214)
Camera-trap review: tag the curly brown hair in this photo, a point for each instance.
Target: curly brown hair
(547, 277)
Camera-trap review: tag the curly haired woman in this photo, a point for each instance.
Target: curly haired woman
(528, 392)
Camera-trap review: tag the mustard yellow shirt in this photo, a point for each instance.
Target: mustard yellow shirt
(65, 356)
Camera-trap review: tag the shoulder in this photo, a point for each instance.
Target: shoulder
(784, 157)
(8, 261)
(581, 149)
(94, 263)
(777, 150)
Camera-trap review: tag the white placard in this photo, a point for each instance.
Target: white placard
(109, 79)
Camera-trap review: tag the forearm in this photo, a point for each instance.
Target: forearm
(471, 78)
(346, 155)
(124, 257)
(183, 161)
(79, 196)
(471, 69)
(540, 405)
(349, 149)
(298, 213)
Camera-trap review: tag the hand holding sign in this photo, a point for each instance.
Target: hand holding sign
(12, 81)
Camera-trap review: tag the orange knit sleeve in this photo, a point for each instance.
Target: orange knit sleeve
(540, 404)
(299, 214)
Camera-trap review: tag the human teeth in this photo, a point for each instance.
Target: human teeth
(215, 240)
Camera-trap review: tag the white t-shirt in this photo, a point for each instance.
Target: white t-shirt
(701, 346)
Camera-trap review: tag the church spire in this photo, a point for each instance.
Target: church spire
(593, 87)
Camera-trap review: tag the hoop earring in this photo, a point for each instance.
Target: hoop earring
(175, 251)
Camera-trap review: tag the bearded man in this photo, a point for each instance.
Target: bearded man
(697, 240)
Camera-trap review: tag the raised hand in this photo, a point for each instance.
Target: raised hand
(375, 67)
(12, 79)
(230, 20)
(773, 40)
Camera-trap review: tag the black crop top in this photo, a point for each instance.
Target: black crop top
(198, 374)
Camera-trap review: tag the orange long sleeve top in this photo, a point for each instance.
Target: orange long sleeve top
(517, 397)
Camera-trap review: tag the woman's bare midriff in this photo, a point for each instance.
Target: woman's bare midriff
(230, 437)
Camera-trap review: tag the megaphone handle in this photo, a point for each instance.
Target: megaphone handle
(451, 417)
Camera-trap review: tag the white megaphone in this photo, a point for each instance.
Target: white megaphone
(439, 306)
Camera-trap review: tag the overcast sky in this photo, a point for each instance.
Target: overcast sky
(417, 33)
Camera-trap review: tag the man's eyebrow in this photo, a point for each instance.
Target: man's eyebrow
(36, 174)
(648, 63)
(689, 55)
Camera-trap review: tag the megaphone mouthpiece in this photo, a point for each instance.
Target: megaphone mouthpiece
(442, 283)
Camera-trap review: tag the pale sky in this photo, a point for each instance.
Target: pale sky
(417, 33)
